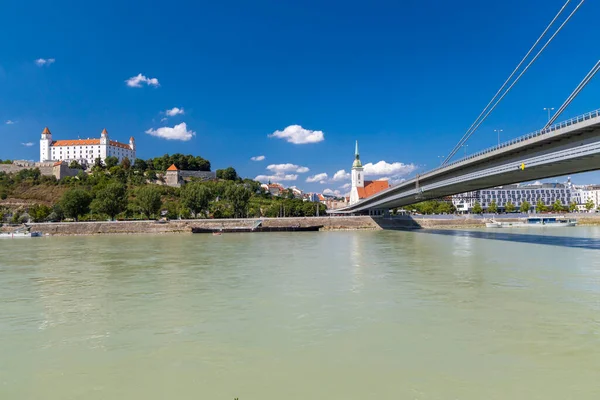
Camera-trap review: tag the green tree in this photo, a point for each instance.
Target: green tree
(525, 206)
(98, 163)
(589, 204)
(557, 206)
(228, 174)
(126, 163)
(509, 207)
(477, 208)
(540, 206)
(75, 165)
(140, 165)
(445, 207)
(572, 206)
(493, 207)
(196, 197)
(111, 161)
(75, 203)
(39, 212)
(238, 196)
(148, 200)
(110, 200)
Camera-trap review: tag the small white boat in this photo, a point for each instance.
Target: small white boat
(534, 222)
(20, 233)
(17, 234)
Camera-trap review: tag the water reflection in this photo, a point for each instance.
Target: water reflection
(551, 240)
(318, 315)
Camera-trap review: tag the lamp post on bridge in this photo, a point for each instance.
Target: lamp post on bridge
(498, 132)
(548, 109)
(441, 158)
(465, 147)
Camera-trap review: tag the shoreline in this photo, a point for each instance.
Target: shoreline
(327, 223)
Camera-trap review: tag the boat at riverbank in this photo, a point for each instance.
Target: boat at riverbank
(19, 233)
(534, 222)
(314, 228)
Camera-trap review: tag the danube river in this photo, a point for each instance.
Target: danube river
(330, 315)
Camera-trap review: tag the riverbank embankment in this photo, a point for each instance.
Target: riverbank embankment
(327, 223)
(185, 226)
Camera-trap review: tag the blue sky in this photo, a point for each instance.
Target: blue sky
(405, 78)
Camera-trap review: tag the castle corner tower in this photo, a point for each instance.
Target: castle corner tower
(45, 144)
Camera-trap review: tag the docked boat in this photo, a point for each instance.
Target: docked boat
(20, 233)
(218, 231)
(534, 222)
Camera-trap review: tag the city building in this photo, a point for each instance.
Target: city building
(274, 188)
(587, 193)
(84, 151)
(548, 193)
(362, 189)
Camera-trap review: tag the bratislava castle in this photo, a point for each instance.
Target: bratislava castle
(84, 150)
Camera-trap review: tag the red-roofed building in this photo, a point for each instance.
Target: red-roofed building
(84, 151)
(362, 189)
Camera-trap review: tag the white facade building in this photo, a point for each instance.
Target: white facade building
(85, 151)
(548, 193)
(586, 194)
(464, 202)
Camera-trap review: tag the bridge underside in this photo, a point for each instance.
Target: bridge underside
(556, 155)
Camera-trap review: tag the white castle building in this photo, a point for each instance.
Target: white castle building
(85, 151)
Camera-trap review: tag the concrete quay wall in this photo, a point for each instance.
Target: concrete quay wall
(185, 226)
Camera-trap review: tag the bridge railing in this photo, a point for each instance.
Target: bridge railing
(540, 132)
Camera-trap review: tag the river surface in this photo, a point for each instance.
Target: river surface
(329, 315)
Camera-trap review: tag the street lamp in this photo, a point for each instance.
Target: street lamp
(548, 109)
(498, 132)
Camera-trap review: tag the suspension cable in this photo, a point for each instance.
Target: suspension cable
(480, 120)
(577, 90)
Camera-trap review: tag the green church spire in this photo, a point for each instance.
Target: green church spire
(357, 163)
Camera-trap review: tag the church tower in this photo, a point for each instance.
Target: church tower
(358, 177)
(45, 144)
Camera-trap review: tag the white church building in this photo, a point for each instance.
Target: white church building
(85, 151)
(362, 189)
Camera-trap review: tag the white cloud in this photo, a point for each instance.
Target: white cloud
(174, 111)
(279, 168)
(163, 119)
(28, 144)
(40, 62)
(278, 177)
(330, 192)
(385, 168)
(257, 158)
(341, 175)
(394, 180)
(321, 178)
(298, 135)
(136, 81)
(346, 186)
(178, 132)
(9, 122)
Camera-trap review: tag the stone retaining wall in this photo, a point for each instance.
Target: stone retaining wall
(185, 226)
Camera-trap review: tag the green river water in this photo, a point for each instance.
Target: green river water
(328, 315)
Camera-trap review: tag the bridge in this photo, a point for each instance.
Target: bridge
(567, 147)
